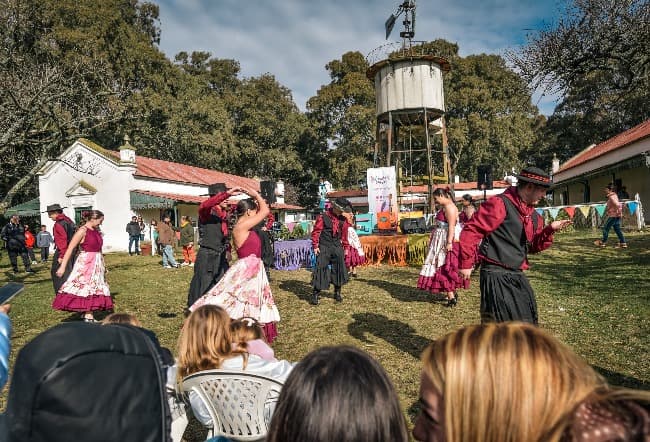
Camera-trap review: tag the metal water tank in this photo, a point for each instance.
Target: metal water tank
(410, 83)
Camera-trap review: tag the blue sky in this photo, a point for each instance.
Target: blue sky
(294, 40)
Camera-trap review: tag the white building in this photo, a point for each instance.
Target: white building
(122, 184)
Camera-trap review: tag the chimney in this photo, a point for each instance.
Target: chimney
(555, 164)
(127, 152)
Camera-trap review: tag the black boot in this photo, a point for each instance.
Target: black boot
(337, 294)
(314, 297)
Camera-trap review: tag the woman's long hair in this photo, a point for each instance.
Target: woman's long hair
(205, 341)
(88, 215)
(507, 382)
(338, 394)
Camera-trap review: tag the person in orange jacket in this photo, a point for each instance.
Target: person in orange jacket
(30, 241)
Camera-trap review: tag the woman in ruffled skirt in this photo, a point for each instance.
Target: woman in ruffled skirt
(85, 290)
(244, 290)
(354, 255)
(439, 273)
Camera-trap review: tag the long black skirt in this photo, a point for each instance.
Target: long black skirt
(506, 295)
(330, 268)
(56, 281)
(209, 268)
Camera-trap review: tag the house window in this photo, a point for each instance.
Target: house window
(77, 213)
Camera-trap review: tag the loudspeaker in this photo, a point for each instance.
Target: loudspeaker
(267, 190)
(413, 225)
(484, 176)
(216, 188)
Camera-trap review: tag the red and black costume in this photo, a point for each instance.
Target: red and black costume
(64, 229)
(330, 262)
(507, 229)
(211, 262)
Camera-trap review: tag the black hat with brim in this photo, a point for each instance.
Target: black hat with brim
(536, 176)
(340, 204)
(216, 188)
(54, 208)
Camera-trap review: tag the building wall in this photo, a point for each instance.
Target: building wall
(111, 181)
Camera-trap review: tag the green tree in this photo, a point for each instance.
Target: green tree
(596, 59)
(342, 115)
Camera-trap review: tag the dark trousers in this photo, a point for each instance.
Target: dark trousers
(45, 253)
(56, 281)
(506, 295)
(209, 268)
(613, 222)
(30, 253)
(330, 268)
(134, 239)
(13, 258)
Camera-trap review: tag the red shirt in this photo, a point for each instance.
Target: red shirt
(29, 240)
(60, 235)
(211, 207)
(319, 225)
(491, 215)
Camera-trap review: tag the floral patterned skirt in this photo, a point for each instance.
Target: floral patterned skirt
(244, 291)
(439, 273)
(85, 289)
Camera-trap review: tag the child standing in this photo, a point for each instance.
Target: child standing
(30, 242)
(43, 241)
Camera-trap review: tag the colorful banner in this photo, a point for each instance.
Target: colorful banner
(584, 210)
(600, 208)
(540, 211)
(632, 206)
(553, 212)
(570, 211)
(382, 190)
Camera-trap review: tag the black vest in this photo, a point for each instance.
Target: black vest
(508, 244)
(210, 233)
(327, 238)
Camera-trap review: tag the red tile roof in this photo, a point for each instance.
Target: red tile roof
(182, 173)
(637, 133)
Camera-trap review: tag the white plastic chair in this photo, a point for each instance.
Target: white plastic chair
(240, 403)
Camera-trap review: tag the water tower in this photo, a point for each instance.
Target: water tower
(410, 107)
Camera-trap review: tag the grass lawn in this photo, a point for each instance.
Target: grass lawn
(597, 301)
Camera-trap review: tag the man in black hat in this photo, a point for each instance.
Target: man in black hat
(211, 262)
(63, 230)
(328, 247)
(13, 234)
(508, 228)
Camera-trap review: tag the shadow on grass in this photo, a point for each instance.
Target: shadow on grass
(399, 334)
(301, 289)
(621, 380)
(404, 293)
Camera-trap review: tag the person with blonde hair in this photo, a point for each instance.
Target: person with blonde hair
(502, 382)
(206, 343)
(122, 318)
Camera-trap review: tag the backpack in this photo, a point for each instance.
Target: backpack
(80, 381)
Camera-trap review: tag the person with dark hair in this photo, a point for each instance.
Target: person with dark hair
(43, 241)
(30, 242)
(187, 241)
(166, 240)
(13, 234)
(354, 254)
(64, 229)
(85, 290)
(211, 262)
(327, 242)
(338, 394)
(133, 230)
(439, 272)
(614, 211)
(515, 382)
(244, 289)
(468, 209)
(508, 228)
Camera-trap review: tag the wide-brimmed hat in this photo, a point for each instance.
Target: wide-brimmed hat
(535, 175)
(341, 204)
(215, 188)
(54, 208)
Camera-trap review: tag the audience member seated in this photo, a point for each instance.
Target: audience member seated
(515, 382)
(338, 394)
(77, 381)
(122, 318)
(206, 343)
(248, 335)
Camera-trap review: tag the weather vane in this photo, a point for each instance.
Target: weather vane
(408, 9)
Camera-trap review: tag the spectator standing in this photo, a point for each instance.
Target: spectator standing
(187, 241)
(13, 234)
(614, 211)
(64, 230)
(30, 242)
(622, 194)
(154, 237)
(468, 209)
(143, 227)
(43, 241)
(133, 229)
(166, 239)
